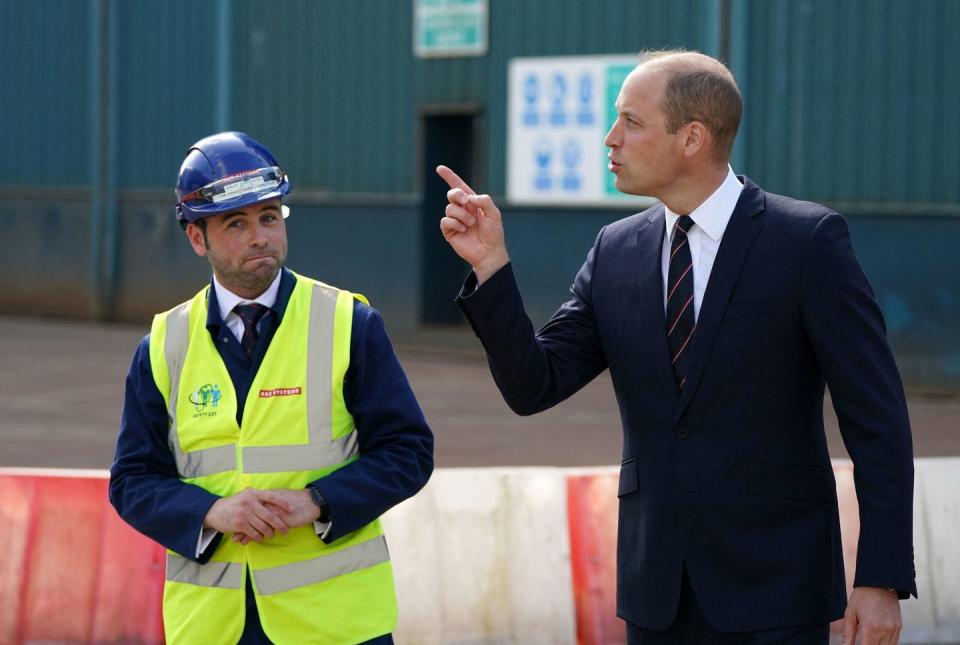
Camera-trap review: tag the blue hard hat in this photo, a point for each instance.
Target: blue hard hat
(224, 172)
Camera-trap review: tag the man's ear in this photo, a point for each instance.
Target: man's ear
(198, 239)
(697, 138)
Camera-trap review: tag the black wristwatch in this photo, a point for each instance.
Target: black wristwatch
(320, 501)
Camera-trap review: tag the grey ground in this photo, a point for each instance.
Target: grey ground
(61, 389)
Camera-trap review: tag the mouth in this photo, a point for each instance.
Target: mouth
(258, 258)
(613, 166)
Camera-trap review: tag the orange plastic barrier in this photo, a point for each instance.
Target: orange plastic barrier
(592, 513)
(72, 571)
(592, 509)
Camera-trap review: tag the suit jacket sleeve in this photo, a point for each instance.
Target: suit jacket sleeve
(536, 371)
(395, 443)
(145, 487)
(846, 328)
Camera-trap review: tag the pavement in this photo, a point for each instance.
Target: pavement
(61, 392)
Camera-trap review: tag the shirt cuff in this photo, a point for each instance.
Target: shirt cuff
(204, 539)
(322, 529)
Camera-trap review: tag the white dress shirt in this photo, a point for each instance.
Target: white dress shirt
(709, 222)
(227, 300)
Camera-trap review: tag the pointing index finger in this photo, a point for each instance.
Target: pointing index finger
(453, 180)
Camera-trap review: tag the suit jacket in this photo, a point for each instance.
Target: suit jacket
(730, 479)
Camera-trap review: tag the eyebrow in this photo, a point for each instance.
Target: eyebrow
(233, 214)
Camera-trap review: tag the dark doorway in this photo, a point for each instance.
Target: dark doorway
(447, 140)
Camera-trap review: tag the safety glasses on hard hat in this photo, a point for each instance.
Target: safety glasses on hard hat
(235, 186)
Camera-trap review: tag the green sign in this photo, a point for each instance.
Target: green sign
(450, 28)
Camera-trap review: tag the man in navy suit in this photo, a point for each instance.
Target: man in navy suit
(721, 313)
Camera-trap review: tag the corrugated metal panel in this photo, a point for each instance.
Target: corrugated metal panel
(853, 101)
(166, 78)
(330, 86)
(44, 102)
(334, 86)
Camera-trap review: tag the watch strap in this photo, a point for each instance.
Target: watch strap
(321, 501)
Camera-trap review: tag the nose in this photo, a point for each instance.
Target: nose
(612, 140)
(258, 235)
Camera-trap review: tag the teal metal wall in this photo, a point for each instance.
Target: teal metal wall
(46, 51)
(335, 87)
(855, 104)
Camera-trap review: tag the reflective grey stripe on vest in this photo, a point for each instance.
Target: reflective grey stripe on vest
(290, 576)
(321, 452)
(226, 575)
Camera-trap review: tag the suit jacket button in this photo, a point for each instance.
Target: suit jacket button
(682, 433)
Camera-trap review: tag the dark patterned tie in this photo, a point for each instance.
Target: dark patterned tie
(680, 322)
(250, 315)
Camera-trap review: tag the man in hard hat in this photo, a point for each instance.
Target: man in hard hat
(267, 425)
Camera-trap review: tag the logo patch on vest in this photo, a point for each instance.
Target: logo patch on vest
(280, 391)
(205, 400)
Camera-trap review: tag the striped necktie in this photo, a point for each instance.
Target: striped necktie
(680, 321)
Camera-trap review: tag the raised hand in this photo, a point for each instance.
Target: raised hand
(472, 225)
(251, 512)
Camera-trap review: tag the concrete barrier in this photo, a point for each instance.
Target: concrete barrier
(495, 555)
(482, 556)
(935, 616)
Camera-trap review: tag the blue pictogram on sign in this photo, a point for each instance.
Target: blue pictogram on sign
(585, 94)
(571, 180)
(542, 154)
(531, 94)
(558, 99)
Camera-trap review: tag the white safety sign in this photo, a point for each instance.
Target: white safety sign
(559, 110)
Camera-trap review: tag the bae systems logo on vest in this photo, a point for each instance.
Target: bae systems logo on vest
(279, 391)
(205, 400)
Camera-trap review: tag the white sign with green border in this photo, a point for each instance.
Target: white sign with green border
(559, 109)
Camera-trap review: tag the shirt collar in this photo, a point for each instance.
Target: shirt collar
(227, 300)
(714, 213)
(221, 301)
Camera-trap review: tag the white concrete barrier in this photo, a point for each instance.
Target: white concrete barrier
(483, 556)
(935, 616)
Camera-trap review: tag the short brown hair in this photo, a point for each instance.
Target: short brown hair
(700, 88)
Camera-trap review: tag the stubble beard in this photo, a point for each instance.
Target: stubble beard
(236, 279)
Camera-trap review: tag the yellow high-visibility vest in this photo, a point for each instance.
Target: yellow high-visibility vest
(295, 430)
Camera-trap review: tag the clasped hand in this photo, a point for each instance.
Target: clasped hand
(256, 515)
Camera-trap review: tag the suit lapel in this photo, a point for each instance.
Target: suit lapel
(741, 230)
(649, 250)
